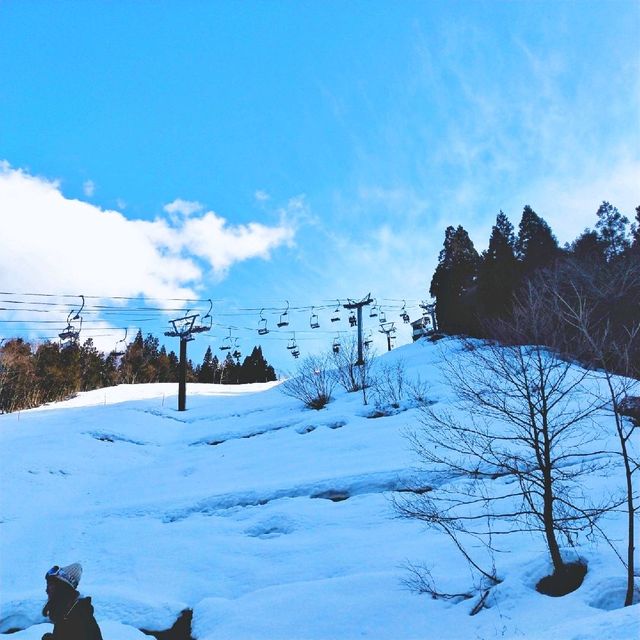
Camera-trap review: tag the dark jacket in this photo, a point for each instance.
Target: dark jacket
(77, 623)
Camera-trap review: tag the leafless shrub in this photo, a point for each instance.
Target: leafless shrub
(350, 375)
(389, 386)
(313, 383)
(418, 391)
(393, 389)
(418, 579)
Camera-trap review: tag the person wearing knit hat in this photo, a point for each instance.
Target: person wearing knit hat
(71, 614)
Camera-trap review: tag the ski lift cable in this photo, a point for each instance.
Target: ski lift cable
(324, 305)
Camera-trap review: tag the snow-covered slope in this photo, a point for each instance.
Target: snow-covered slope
(226, 509)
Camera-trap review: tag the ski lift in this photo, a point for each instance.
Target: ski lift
(368, 341)
(227, 343)
(284, 317)
(383, 317)
(207, 321)
(336, 314)
(403, 314)
(373, 313)
(70, 334)
(336, 345)
(262, 325)
(293, 347)
(236, 351)
(117, 352)
(313, 321)
(353, 321)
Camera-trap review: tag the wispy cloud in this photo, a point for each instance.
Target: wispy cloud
(184, 207)
(476, 127)
(89, 188)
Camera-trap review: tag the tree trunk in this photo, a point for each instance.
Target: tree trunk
(549, 529)
(628, 599)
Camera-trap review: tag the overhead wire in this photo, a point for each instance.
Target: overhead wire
(226, 309)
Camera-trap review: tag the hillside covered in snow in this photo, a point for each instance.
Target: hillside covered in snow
(269, 520)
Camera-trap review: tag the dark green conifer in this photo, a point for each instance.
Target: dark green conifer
(536, 246)
(612, 230)
(454, 283)
(498, 273)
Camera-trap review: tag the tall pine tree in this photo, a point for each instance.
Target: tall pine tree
(208, 368)
(612, 230)
(588, 247)
(454, 283)
(498, 273)
(256, 369)
(536, 246)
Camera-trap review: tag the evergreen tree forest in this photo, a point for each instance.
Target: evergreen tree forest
(599, 272)
(34, 374)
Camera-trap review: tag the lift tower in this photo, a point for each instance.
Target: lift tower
(351, 305)
(184, 328)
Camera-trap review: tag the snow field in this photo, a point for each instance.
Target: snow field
(267, 519)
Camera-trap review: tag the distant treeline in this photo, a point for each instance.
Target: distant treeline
(33, 374)
(593, 283)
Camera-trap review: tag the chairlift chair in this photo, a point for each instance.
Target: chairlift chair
(117, 352)
(262, 325)
(207, 321)
(336, 314)
(313, 320)
(284, 318)
(353, 321)
(70, 334)
(368, 341)
(336, 345)
(373, 313)
(236, 350)
(293, 346)
(383, 317)
(226, 345)
(403, 314)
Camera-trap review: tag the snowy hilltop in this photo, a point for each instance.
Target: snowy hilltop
(269, 520)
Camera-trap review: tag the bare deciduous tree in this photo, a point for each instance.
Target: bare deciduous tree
(522, 414)
(611, 351)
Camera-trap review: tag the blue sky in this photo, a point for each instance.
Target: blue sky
(256, 152)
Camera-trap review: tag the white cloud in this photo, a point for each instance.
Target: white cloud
(262, 196)
(121, 204)
(185, 207)
(53, 244)
(89, 188)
